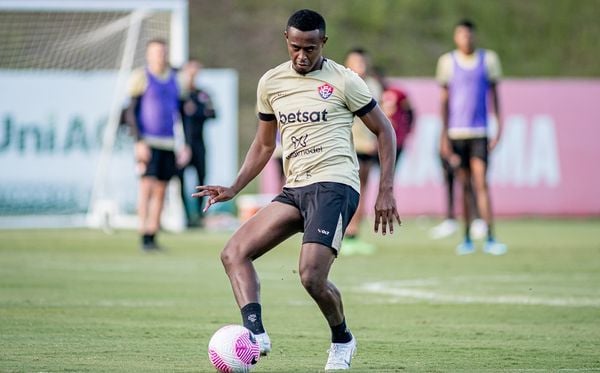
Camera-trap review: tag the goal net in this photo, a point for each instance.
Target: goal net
(66, 159)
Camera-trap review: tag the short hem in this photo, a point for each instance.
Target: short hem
(335, 252)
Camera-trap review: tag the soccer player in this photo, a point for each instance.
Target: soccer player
(312, 100)
(155, 92)
(469, 77)
(197, 109)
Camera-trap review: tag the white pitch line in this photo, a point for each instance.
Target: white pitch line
(405, 289)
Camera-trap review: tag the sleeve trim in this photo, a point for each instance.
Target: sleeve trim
(366, 109)
(266, 117)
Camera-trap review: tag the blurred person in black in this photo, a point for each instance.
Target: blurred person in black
(197, 109)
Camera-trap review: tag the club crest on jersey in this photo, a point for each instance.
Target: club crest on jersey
(325, 91)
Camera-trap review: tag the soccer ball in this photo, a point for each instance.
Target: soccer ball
(233, 349)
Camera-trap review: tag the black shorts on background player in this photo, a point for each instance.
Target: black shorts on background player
(162, 164)
(470, 148)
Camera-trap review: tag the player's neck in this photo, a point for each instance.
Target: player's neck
(157, 70)
(467, 51)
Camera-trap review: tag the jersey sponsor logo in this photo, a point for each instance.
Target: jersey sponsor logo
(325, 91)
(300, 147)
(305, 151)
(299, 141)
(303, 117)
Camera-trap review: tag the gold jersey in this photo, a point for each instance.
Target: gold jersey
(314, 114)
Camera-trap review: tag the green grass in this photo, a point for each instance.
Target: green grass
(80, 300)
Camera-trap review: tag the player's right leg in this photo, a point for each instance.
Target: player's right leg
(466, 246)
(143, 203)
(269, 227)
(449, 225)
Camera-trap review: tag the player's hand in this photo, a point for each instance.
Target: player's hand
(445, 148)
(142, 152)
(454, 161)
(215, 194)
(386, 212)
(183, 156)
(493, 143)
(189, 108)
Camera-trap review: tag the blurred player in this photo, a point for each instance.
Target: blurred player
(155, 92)
(469, 78)
(365, 144)
(397, 107)
(312, 100)
(197, 109)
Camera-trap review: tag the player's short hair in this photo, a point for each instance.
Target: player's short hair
(358, 50)
(307, 20)
(156, 41)
(465, 22)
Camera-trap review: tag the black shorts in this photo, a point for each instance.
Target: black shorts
(470, 148)
(326, 208)
(162, 164)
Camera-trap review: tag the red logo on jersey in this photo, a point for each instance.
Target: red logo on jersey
(325, 91)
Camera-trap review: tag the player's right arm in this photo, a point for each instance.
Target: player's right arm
(258, 155)
(136, 88)
(443, 74)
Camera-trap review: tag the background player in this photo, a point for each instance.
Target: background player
(467, 75)
(197, 109)
(153, 113)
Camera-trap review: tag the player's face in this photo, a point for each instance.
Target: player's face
(305, 49)
(357, 63)
(156, 57)
(464, 39)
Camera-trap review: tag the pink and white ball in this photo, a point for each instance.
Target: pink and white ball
(233, 349)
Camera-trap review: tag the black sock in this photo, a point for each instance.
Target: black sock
(340, 333)
(147, 239)
(251, 315)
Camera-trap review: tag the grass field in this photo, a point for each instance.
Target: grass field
(80, 300)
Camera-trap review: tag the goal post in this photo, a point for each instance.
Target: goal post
(64, 67)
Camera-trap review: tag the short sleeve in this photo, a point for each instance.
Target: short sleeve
(357, 93)
(492, 64)
(182, 84)
(263, 106)
(137, 83)
(443, 72)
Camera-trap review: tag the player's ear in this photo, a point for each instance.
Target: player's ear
(324, 39)
(285, 34)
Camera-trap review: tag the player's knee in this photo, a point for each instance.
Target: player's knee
(230, 255)
(312, 282)
(235, 251)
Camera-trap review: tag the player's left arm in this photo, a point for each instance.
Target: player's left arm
(385, 205)
(494, 71)
(495, 99)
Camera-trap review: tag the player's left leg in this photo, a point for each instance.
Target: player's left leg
(155, 207)
(478, 164)
(315, 263)
(327, 211)
(199, 163)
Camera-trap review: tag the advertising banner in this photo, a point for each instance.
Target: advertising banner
(545, 164)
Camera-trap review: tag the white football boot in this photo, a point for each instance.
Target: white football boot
(340, 355)
(264, 342)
